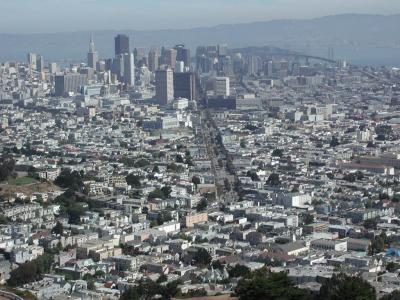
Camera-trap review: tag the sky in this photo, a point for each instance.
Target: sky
(43, 16)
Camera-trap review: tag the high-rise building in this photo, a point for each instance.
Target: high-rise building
(153, 60)
(140, 54)
(223, 50)
(53, 69)
(92, 56)
(185, 85)
(31, 57)
(170, 58)
(39, 63)
(129, 69)
(165, 86)
(225, 67)
(269, 68)
(101, 66)
(118, 66)
(183, 54)
(179, 66)
(222, 87)
(121, 44)
(69, 83)
(253, 65)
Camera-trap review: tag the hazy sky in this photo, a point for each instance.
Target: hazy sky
(72, 15)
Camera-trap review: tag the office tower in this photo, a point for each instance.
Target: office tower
(32, 60)
(87, 71)
(121, 44)
(225, 66)
(39, 63)
(165, 86)
(222, 87)
(53, 69)
(185, 85)
(237, 63)
(101, 66)
(253, 66)
(170, 57)
(223, 50)
(69, 83)
(295, 69)
(92, 56)
(153, 60)
(269, 69)
(109, 63)
(129, 69)
(118, 66)
(183, 54)
(179, 66)
(139, 54)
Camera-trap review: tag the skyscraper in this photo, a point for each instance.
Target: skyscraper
(118, 66)
(53, 68)
(153, 60)
(185, 85)
(92, 56)
(39, 63)
(31, 57)
(121, 44)
(165, 86)
(222, 87)
(170, 58)
(69, 83)
(129, 69)
(183, 54)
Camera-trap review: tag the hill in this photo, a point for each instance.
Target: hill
(354, 36)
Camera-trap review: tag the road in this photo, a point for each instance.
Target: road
(217, 155)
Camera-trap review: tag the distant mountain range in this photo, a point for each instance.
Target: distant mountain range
(353, 36)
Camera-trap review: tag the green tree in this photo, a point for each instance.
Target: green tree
(273, 179)
(179, 159)
(277, 153)
(167, 190)
(334, 142)
(378, 245)
(133, 180)
(370, 223)
(238, 271)
(395, 295)
(263, 284)
(31, 271)
(308, 219)
(196, 180)
(391, 267)
(58, 229)
(342, 286)
(70, 180)
(253, 175)
(141, 163)
(202, 257)
(202, 205)
(7, 166)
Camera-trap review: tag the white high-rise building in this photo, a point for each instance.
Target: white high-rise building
(39, 63)
(222, 86)
(129, 69)
(32, 57)
(179, 66)
(53, 69)
(92, 56)
(165, 86)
